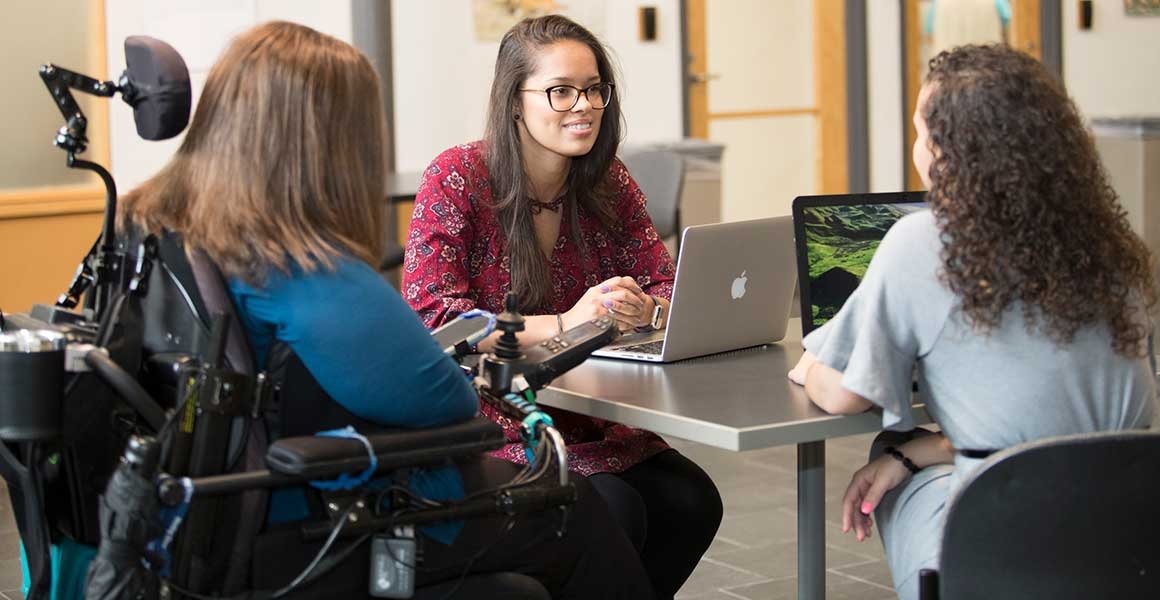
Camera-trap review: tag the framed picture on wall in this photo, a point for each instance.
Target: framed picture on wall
(1142, 8)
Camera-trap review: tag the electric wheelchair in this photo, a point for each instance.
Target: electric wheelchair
(141, 426)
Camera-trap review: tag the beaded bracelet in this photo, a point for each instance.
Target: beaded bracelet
(906, 462)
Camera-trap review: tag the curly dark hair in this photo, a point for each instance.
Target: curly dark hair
(1024, 205)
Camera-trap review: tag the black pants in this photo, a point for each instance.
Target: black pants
(670, 509)
(595, 558)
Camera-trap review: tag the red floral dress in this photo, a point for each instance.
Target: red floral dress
(456, 261)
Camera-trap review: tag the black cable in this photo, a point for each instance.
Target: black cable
(324, 567)
(180, 591)
(414, 499)
(317, 557)
(329, 563)
(507, 528)
(174, 417)
(127, 387)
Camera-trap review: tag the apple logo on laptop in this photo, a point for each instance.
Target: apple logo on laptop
(738, 289)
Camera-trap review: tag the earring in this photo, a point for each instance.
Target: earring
(516, 117)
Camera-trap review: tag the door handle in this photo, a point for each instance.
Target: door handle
(703, 77)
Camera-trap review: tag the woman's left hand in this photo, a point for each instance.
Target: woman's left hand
(630, 306)
(867, 487)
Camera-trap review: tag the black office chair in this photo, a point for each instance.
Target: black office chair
(1065, 517)
(661, 176)
(392, 257)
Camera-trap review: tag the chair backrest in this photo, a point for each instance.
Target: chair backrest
(660, 175)
(1066, 517)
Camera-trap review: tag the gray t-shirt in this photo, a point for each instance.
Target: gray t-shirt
(986, 391)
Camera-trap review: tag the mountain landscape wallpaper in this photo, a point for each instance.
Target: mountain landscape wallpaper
(840, 241)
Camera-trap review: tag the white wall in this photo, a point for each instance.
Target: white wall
(885, 99)
(442, 75)
(1112, 69)
(199, 32)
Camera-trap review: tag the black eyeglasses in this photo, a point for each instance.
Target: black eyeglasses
(563, 98)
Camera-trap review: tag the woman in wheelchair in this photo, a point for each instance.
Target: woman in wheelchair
(1020, 299)
(543, 207)
(279, 181)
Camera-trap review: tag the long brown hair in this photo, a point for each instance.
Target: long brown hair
(1024, 203)
(283, 162)
(587, 186)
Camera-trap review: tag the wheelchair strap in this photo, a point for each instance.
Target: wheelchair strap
(346, 481)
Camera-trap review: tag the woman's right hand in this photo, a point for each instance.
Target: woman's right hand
(867, 487)
(619, 297)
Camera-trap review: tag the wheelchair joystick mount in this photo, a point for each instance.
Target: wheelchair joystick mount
(498, 369)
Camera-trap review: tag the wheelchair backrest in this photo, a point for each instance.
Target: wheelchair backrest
(213, 551)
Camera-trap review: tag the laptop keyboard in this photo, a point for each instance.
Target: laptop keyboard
(645, 348)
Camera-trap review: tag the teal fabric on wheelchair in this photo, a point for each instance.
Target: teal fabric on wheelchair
(70, 564)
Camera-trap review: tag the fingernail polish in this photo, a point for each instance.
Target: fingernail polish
(608, 304)
(866, 508)
(604, 289)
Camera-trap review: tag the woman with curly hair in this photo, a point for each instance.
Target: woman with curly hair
(1020, 299)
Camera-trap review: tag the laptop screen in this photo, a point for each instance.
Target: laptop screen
(835, 238)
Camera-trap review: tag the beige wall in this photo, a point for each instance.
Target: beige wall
(1112, 69)
(35, 33)
(442, 73)
(39, 255)
(49, 214)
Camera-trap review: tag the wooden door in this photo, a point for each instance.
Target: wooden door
(767, 79)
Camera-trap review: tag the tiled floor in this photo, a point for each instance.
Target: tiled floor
(754, 555)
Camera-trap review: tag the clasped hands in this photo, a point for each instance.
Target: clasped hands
(620, 298)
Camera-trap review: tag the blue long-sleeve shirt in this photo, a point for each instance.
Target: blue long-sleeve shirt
(367, 349)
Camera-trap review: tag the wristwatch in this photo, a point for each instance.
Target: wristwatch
(658, 316)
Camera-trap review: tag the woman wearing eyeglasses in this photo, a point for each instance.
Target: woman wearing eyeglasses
(543, 208)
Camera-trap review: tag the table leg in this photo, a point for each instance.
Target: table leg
(811, 528)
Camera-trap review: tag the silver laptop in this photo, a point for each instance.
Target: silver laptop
(734, 286)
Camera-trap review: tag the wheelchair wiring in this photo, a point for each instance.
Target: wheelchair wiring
(525, 476)
(322, 564)
(307, 572)
(310, 573)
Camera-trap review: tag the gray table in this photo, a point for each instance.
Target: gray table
(737, 401)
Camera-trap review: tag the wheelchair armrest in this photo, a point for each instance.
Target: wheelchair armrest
(313, 457)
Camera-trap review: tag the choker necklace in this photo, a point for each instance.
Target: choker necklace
(536, 206)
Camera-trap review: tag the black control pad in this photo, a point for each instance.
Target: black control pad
(556, 355)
